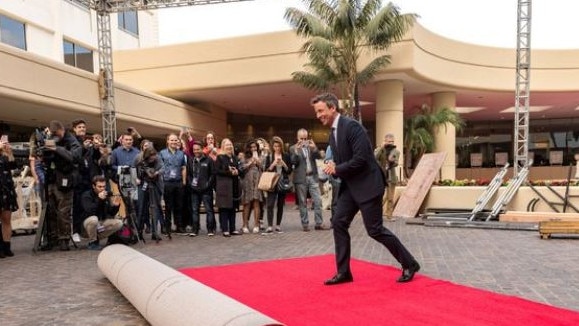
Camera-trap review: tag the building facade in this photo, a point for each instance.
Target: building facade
(242, 88)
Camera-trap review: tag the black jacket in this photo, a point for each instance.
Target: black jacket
(200, 174)
(92, 205)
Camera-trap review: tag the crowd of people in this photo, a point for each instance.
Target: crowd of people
(83, 182)
(165, 190)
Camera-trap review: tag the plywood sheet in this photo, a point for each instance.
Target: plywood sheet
(419, 185)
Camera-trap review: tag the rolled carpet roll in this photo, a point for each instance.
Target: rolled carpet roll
(167, 297)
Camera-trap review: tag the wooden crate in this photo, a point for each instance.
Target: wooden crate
(546, 228)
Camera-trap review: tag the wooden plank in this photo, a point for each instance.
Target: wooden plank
(419, 185)
(514, 216)
(547, 228)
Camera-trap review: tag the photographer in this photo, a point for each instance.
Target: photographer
(59, 153)
(83, 174)
(99, 209)
(387, 156)
(149, 174)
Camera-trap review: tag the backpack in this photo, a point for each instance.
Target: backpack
(126, 235)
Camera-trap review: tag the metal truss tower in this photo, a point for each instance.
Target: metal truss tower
(522, 89)
(103, 9)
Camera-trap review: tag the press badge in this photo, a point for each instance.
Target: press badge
(173, 174)
(194, 182)
(64, 182)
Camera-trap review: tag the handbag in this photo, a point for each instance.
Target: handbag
(268, 181)
(284, 185)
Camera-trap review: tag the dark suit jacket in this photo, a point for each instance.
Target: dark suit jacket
(355, 162)
(300, 164)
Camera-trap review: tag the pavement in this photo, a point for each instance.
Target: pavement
(67, 288)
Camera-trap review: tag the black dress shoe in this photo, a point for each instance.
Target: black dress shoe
(339, 279)
(408, 273)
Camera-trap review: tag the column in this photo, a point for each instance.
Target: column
(445, 138)
(390, 114)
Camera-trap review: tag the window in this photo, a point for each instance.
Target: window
(129, 22)
(12, 32)
(78, 56)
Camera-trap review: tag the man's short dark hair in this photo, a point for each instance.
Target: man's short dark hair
(200, 144)
(98, 178)
(55, 125)
(77, 122)
(330, 99)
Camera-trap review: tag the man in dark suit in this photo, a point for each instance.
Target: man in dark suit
(362, 189)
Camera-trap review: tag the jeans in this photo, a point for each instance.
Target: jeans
(207, 199)
(313, 187)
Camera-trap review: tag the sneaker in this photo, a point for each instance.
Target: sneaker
(193, 234)
(226, 234)
(256, 229)
(321, 227)
(306, 228)
(278, 230)
(245, 230)
(268, 231)
(76, 237)
(94, 245)
(210, 234)
(236, 232)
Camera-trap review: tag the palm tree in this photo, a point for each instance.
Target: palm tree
(337, 33)
(420, 129)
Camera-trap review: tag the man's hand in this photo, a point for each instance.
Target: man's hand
(116, 200)
(311, 144)
(103, 195)
(330, 168)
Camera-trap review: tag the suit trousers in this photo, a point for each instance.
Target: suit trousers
(372, 216)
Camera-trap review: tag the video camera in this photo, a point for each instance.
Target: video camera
(43, 139)
(127, 176)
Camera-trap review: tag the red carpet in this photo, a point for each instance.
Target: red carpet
(291, 291)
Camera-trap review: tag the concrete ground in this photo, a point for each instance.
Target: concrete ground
(67, 288)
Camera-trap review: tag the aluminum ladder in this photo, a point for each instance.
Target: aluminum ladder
(512, 188)
(489, 192)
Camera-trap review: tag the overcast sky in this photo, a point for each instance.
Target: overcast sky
(555, 23)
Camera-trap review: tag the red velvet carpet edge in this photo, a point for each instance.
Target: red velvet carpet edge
(292, 291)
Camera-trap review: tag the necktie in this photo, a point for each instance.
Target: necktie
(333, 144)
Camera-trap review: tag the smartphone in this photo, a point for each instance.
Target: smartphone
(4, 139)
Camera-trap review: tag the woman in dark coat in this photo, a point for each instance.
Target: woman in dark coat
(8, 198)
(227, 188)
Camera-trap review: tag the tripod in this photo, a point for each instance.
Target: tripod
(42, 239)
(127, 190)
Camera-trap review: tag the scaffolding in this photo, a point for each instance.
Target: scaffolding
(522, 89)
(104, 8)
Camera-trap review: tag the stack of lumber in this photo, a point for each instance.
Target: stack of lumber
(536, 217)
(546, 228)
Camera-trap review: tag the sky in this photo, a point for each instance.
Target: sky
(483, 22)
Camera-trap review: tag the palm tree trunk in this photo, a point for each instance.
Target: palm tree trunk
(357, 112)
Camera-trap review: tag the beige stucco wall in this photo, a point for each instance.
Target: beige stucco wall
(35, 90)
(272, 57)
(466, 197)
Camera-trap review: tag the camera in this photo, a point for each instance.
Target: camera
(43, 140)
(124, 169)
